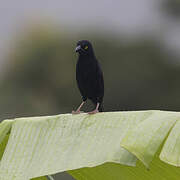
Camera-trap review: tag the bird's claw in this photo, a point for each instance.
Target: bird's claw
(93, 112)
(76, 112)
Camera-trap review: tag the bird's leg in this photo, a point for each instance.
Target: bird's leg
(78, 109)
(96, 110)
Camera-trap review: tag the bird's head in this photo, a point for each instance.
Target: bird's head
(84, 47)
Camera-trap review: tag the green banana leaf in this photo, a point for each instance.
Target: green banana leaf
(104, 146)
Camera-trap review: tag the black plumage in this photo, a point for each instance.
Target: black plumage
(89, 76)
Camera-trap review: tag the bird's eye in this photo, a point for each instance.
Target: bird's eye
(86, 47)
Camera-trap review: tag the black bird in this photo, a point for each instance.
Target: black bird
(89, 77)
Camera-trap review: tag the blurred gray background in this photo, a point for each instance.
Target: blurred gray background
(137, 43)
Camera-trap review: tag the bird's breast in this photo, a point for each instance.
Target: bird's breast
(86, 74)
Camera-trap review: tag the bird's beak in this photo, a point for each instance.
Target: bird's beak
(78, 48)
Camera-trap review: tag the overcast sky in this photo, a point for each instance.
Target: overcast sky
(121, 14)
(129, 16)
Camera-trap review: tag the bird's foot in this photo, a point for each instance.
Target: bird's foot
(76, 112)
(93, 112)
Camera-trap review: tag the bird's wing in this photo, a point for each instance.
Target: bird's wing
(100, 82)
(79, 80)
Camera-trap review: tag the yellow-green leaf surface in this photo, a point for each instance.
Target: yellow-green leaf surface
(171, 150)
(5, 127)
(81, 144)
(145, 139)
(111, 171)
